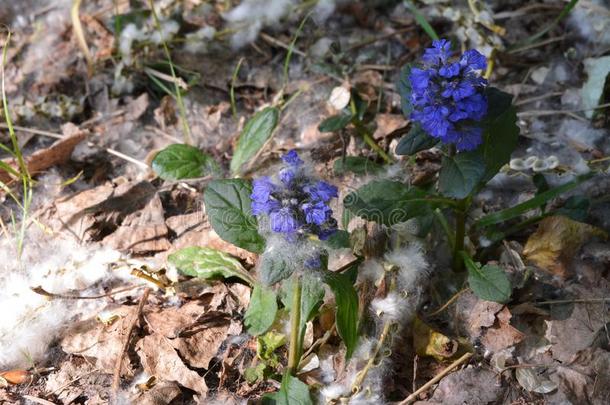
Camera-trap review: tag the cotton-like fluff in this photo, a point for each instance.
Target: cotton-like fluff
(197, 41)
(30, 321)
(250, 16)
(390, 308)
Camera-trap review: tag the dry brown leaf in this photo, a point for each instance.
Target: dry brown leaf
(199, 344)
(162, 393)
(55, 154)
(92, 338)
(502, 335)
(142, 232)
(557, 239)
(388, 123)
(160, 359)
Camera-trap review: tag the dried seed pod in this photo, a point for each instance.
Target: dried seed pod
(16, 376)
(517, 164)
(530, 161)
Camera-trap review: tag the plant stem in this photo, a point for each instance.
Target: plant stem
(371, 142)
(294, 351)
(460, 233)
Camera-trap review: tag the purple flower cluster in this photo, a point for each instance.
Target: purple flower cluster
(294, 203)
(447, 95)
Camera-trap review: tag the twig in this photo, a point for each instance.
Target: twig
(37, 400)
(273, 41)
(80, 36)
(42, 291)
(451, 301)
(116, 378)
(436, 379)
(574, 301)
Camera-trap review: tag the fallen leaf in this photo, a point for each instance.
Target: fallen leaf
(104, 343)
(55, 154)
(533, 381)
(556, 241)
(142, 232)
(429, 342)
(502, 335)
(160, 359)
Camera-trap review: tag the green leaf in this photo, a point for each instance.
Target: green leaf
(181, 161)
(346, 317)
(404, 89)
(339, 240)
(489, 282)
(500, 132)
(267, 344)
(388, 202)
(273, 269)
(336, 122)
(535, 202)
(460, 174)
(227, 204)
(256, 134)
(207, 263)
(415, 141)
(312, 296)
(293, 392)
(356, 164)
(262, 310)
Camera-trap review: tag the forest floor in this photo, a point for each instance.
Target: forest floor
(92, 312)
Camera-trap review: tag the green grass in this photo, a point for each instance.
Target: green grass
(22, 173)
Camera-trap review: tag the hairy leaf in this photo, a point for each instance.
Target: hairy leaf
(181, 161)
(227, 204)
(207, 263)
(262, 310)
(256, 134)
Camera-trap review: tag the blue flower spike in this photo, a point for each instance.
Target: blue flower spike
(296, 204)
(448, 95)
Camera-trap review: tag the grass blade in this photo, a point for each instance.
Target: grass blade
(517, 210)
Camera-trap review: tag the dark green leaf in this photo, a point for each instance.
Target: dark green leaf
(339, 240)
(388, 202)
(360, 103)
(293, 392)
(404, 90)
(336, 122)
(256, 134)
(489, 282)
(227, 204)
(207, 263)
(180, 161)
(500, 132)
(262, 310)
(537, 201)
(356, 164)
(346, 317)
(415, 141)
(273, 269)
(460, 174)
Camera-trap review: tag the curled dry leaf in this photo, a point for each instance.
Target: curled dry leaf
(502, 335)
(557, 239)
(102, 342)
(429, 342)
(533, 381)
(160, 359)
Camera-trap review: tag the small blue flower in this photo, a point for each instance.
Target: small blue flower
(322, 191)
(283, 221)
(316, 213)
(295, 203)
(313, 263)
(292, 158)
(447, 95)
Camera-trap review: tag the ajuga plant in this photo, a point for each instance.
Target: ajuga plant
(453, 108)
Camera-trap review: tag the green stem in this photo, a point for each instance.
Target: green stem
(371, 142)
(294, 351)
(460, 233)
